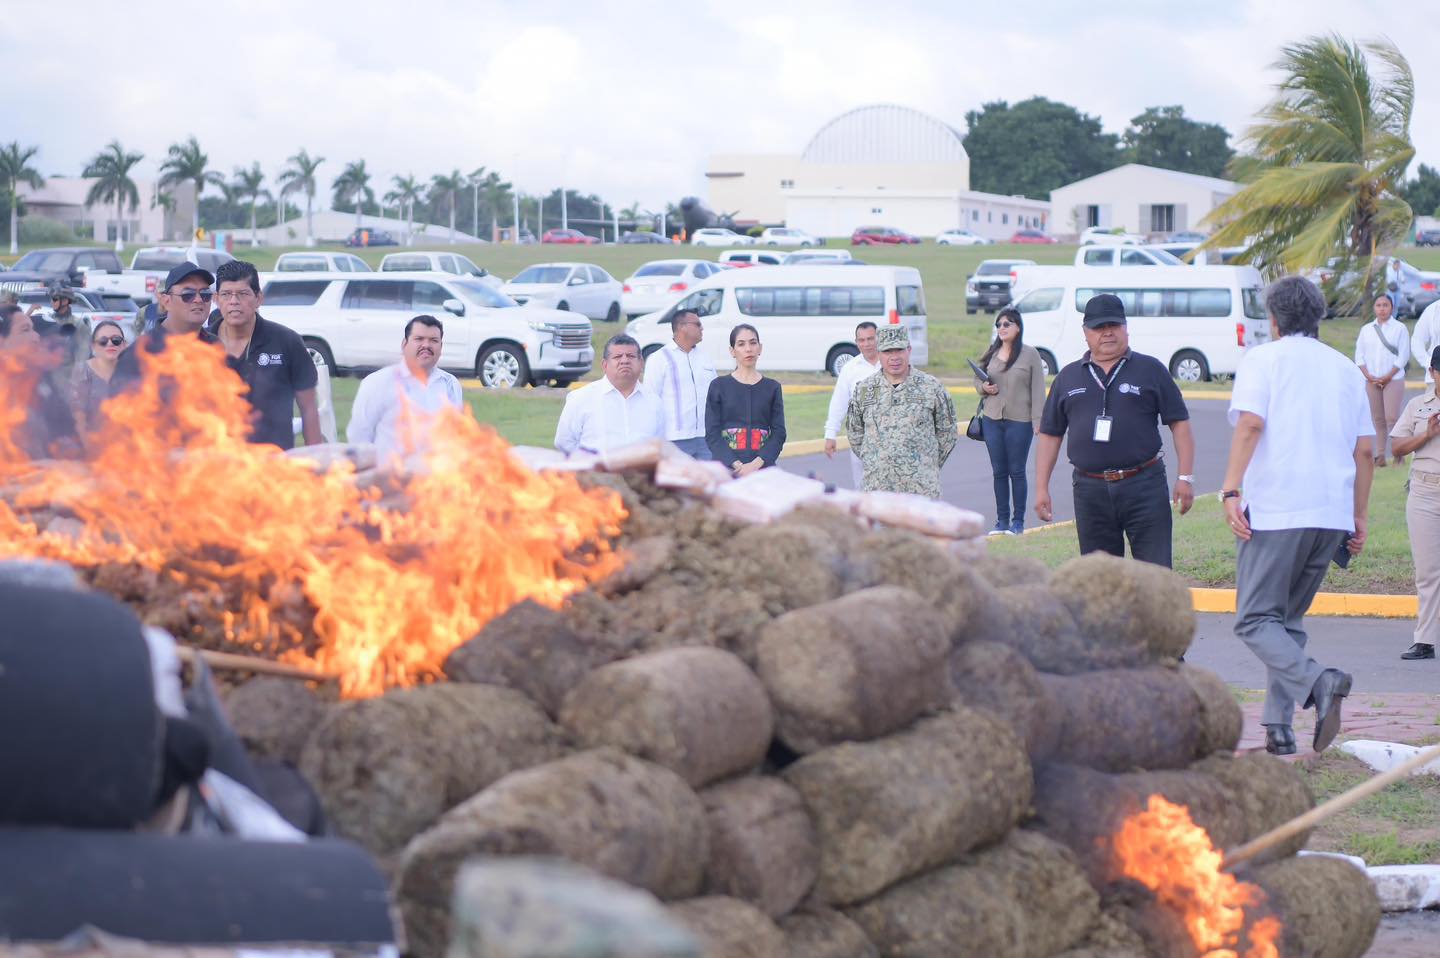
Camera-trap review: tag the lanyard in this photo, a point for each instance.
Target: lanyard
(1105, 386)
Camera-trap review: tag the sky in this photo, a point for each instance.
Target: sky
(627, 99)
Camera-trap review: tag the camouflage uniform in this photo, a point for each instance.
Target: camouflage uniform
(903, 434)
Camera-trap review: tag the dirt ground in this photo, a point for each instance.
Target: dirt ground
(1409, 935)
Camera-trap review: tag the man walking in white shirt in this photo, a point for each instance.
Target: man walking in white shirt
(614, 411)
(395, 407)
(679, 375)
(862, 366)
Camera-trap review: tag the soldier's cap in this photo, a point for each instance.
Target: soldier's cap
(61, 291)
(1104, 310)
(1435, 358)
(184, 271)
(48, 327)
(892, 337)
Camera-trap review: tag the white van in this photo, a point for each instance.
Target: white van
(1198, 320)
(806, 315)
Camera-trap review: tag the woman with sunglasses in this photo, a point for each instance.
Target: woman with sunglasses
(90, 385)
(1013, 399)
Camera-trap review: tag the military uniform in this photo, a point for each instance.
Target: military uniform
(1422, 517)
(79, 349)
(902, 433)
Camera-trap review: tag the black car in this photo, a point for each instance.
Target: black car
(367, 237)
(1427, 237)
(65, 264)
(642, 237)
(989, 288)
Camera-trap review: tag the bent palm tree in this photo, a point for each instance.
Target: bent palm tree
(15, 169)
(353, 185)
(448, 188)
(1325, 162)
(407, 190)
(110, 168)
(300, 176)
(186, 164)
(250, 185)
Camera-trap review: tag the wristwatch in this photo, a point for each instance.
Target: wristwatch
(1228, 494)
(1189, 479)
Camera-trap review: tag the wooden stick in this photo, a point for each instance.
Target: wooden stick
(248, 663)
(1321, 812)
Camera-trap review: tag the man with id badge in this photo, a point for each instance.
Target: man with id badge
(1111, 402)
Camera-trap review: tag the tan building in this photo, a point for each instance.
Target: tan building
(883, 165)
(1138, 199)
(62, 199)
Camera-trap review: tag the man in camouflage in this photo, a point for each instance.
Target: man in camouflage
(901, 423)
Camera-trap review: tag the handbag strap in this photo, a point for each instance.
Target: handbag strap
(1383, 341)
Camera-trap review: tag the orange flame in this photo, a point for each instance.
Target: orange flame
(313, 568)
(1162, 849)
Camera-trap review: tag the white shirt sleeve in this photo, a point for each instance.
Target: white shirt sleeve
(1403, 345)
(1423, 342)
(1251, 391)
(365, 412)
(568, 430)
(1360, 347)
(657, 375)
(1364, 425)
(840, 399)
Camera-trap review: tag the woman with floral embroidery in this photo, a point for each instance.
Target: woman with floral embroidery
(744, 412)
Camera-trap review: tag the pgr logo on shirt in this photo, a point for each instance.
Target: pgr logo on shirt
(270, 359)
(1129, 389)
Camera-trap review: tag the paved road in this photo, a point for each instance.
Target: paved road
(965, 479)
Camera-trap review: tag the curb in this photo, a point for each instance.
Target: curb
(1333, 604)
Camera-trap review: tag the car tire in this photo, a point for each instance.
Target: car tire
(613, 314)
(970, 312)
(772, 243)
(321, 355)
(563, 305)
(838, 357)
(1189, 366)
(502, 366)
(1052, 368)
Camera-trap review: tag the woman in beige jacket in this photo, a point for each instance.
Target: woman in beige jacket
(1012, 402)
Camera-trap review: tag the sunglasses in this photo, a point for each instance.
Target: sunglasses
(110, 341)
(1003, 323)
(188, 295)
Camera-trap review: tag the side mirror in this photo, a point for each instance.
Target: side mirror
(577, 281)
(454, 306)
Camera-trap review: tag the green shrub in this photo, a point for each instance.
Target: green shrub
(37, 231)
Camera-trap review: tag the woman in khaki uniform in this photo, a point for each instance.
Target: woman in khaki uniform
(1418, 431)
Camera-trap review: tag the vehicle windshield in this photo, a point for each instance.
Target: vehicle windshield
(482, 295)
(43, 262)
(661, 269)
(1253, 299)
(1166, 257)
(544, 275)
(994, 269)
(158, 260)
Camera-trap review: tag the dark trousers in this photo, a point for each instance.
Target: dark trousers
(1138, 509)
(1009, 446)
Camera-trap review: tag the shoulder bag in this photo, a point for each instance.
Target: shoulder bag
(975, 430)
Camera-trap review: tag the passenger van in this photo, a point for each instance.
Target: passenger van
(1198, 320)
(806, 315)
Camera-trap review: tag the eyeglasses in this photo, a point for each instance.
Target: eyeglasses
(189, 295)
(236, 294)
(110, 341)
(1003, 323)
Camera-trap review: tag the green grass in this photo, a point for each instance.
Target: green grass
(1398, 826)
(1204, 553)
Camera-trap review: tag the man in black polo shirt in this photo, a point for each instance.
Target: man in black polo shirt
(270, 358)
(1109, 402)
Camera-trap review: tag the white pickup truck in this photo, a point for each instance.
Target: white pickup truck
(148, 268)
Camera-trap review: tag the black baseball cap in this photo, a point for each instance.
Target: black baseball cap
(1435, 358)
(183, 272)
(1104, 310)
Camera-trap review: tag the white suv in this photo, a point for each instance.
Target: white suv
(426, 262)
(787, 236)
(1104, 236)
(718, 236)
(355, 321)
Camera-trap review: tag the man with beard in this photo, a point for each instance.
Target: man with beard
(395, 406)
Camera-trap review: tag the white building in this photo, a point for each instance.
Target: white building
(1138, 199)
(62, 199)
(882, 165)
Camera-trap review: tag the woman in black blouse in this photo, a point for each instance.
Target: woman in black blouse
(744, 413)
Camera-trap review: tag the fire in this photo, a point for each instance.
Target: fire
(1162, 849)
(306, 566)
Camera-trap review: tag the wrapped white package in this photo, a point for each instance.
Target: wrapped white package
(765, 495)
(691, 475)
(910, 511)
(541, 459)
(638, 455)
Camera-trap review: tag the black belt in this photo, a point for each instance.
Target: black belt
(1115, 475)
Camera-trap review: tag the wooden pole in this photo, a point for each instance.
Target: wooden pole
(248, 663)
(1321, 812)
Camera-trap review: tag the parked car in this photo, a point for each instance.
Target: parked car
(151, 264)
(567, 236)
(811, 256)
(806, 316)
(881, 236)
(719, 236)
(657, 284)
(959, 237)
(1413, 288)
(1125, 256)
(438, 262)
(1032, 236)
(580, 287)
(788, 236)
(755, 257)
(65, 264)
(989, 287)
(1105, 235)
(1180, 236)
(368, 237)
(643, 236)
(1427, 237)
(89, 305)
(100, 269)
(318, 261)
(354, 322)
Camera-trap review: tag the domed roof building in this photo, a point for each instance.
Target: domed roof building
(886, 134)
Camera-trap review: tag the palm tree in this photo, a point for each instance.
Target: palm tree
(353, 184)
(448, 188)
(476, 181)
(186, 164)
(407, 190)
(250, 185)
(1326, 161)
(496, 193)
(110, 169)
(15, 169)
(300, 175)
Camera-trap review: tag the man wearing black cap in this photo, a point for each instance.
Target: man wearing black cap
(1111, 401)
(186, 301)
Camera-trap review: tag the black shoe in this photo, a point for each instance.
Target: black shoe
(1279, 740)
(1330, 688)
(1420, 650)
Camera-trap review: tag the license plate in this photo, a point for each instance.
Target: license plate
(994, 300)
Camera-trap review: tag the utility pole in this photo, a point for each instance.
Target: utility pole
(515, 193)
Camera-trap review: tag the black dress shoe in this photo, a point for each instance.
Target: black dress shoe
(1279, 740)
(1330, 688)
(1420, 650)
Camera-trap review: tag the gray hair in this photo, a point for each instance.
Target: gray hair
(1297, 306)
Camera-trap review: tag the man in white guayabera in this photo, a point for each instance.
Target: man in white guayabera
(679, 375)
(395, 407)
(858, 368)
(613, 411)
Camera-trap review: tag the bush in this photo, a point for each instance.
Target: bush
(39, 231)
(754, 231)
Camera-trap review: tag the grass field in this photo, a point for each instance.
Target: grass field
(1398, 826)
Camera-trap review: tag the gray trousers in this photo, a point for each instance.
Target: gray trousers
(1277, 575)
(694, 448)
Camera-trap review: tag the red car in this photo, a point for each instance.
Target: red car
(1032, 236)
(880, 236)
(568, 236)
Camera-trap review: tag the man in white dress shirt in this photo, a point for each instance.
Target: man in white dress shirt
(866, 364)
(395, 407)
(1425, 338)
(679, 375)
(614, 411)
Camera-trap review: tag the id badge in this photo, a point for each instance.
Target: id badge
(1102, 428)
